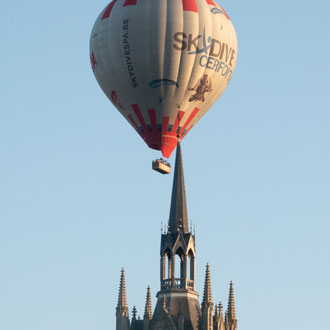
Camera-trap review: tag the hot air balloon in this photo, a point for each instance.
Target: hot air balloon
(163, 63)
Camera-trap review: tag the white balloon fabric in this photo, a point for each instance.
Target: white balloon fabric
(163, 63)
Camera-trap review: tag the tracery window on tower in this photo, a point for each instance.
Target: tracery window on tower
(179, 264)
(166, 264)
(177, 267)
(191, 265)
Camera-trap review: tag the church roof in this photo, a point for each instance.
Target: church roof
(137, 325)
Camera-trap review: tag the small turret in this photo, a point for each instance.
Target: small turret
(148, 306)
(122, 300)
(220, 309)
(122, 314)
(231, 302)
(147, 310)
(207, 295)
(227, 325)
(207, 304)
(134, 314)
(218, 318)
(231, 321)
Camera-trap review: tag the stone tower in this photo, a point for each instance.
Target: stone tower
(177, 306)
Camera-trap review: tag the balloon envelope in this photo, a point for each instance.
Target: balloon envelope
(163, 63)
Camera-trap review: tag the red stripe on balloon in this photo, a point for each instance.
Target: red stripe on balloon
(93, 61)
(210, 2)
(165, 124)
(224, 12)
(166, 147)
(130, 3)
(169, 138)
(139, 116)
(156, 141)
(189, 5)
(190, 118)
(108, 10)
(152, 117)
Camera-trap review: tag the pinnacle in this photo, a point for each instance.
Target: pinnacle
(207, 296)
(231, 303)
(216, 311)
(122, 301)
(148, 307)
(220, 308)
(134, 313)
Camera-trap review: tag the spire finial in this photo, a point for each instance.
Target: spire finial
(220, 309)
(207, 296)
(122, 301)
(178, 202)
(231, 302)
(134, 313)
(148, 307)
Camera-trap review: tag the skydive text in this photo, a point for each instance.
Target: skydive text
(127, 53)
(214, 64)
(217, 56)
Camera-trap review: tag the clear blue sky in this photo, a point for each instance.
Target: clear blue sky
(78, 199)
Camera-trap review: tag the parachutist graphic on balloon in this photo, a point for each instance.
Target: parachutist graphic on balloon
(203, 86)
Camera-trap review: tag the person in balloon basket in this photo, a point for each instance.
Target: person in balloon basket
(202, 86)
(163, 161)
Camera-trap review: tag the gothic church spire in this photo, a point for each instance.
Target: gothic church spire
(178, 220)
